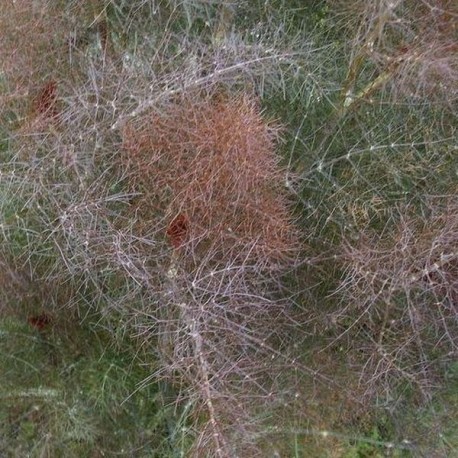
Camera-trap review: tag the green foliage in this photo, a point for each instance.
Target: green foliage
(66, 392)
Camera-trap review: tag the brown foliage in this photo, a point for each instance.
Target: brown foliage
(40, 321)
(36, 50)
(46, 100)
(177, 231)
(30, 34)
(214, 161)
